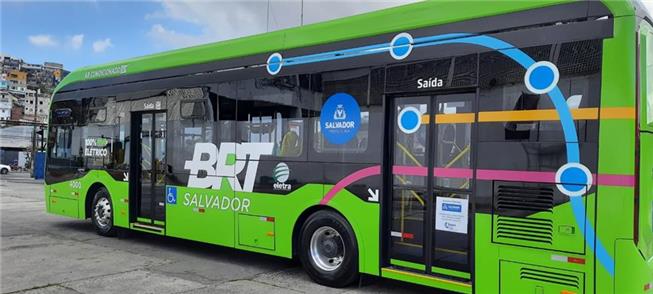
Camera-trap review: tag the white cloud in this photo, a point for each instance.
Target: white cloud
(42, 40)
(77, 41)
(218, 20)
(649, 5)
(100, 46)
(221, 20)
(171, 38)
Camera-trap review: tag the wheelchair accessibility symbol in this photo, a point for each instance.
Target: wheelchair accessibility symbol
(171, 195)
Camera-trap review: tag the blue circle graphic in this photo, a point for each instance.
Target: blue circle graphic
(409, 120)
(340, 118)
(274, 63)
(573, 179)
(542, 77)
(401, 46)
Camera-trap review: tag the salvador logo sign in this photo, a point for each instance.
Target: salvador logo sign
(340, 118)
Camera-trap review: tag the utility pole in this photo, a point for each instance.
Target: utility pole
(267, 23)
(33, 157)
(301, 16)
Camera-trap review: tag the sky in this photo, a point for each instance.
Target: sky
(80, 33)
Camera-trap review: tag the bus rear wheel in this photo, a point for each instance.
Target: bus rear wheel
(102, 213)
(329, 252)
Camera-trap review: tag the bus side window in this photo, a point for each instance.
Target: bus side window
(365, 88)
(270, 111)
(354, 83)
(64, 141)
(503, 92)
(98, 132)
(189, 122)
(121, 122)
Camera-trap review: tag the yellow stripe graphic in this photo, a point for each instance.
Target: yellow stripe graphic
(533, 115)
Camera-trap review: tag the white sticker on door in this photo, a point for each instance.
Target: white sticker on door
(451, 214)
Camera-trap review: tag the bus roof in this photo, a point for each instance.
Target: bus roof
(422, 14)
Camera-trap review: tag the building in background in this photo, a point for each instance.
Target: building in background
(6, 103)
(25, 91)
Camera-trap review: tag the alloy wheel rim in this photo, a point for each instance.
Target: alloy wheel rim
(327, 248)
(102, 212)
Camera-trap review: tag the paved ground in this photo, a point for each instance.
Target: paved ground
(42, 253)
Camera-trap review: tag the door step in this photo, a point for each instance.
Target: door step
(426, 280)
(148, 228)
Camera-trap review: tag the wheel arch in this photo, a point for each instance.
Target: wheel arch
(88, 199)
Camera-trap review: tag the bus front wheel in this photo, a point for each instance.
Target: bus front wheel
(329, 253)
(102, 213)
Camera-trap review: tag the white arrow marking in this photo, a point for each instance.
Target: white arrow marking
(374, 195)
(125, 177)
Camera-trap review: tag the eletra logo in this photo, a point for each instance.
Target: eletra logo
(281, 173)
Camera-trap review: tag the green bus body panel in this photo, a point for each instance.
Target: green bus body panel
(535, 279)
(566, 235)
(422, 14)
(617, 144)
(632, 274)
(256, 231)
(63, 206)
(489, 254)
(213, 225)
(76, 190)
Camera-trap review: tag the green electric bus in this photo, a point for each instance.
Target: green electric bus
(501, 147)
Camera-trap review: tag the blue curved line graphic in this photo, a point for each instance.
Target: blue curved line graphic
(519, 56)
(592, 240)
(558, 100)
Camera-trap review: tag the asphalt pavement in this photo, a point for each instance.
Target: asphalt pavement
(43, 253)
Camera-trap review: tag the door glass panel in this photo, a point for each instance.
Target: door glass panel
(451, 238)
(159, 161)
(410, 167)
(146, 165)
(408, 210)
(411, 137)
(453, 119)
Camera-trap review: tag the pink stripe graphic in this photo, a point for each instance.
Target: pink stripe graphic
(513, 175)
(465, 173)
(409, 170)
(615, 180)
(357, 175)
(450, 172)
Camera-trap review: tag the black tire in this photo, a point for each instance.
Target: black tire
(347, 271)
(99, 213)
(4, 171)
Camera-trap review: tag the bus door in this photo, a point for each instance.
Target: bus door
(151, 153)
(429, 225)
